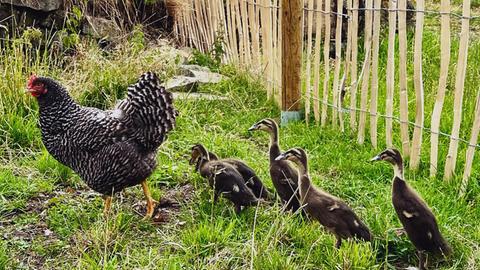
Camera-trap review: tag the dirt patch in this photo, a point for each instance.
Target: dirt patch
(167, 210)
(25, 236)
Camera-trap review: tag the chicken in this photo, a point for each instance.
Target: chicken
(110, 150)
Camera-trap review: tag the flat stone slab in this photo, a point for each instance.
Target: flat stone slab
(192, 96)
(189, 76)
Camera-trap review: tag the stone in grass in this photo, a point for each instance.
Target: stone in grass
(100, 28)
(189, 76)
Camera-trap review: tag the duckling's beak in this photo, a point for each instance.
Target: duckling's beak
(252, 128)
(376, 158)
(192, 160)
(281, 157)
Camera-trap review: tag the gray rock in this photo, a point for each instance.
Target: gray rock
(40, 5)
(100, 28)
(189, 76)
(192, 96)
(202, 74)
(181, 83)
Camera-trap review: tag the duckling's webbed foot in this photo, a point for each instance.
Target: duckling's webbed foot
(238, 209)
(338, 243)
(215, 197)
(422, 260)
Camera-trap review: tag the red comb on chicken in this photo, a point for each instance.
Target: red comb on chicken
(112, 149)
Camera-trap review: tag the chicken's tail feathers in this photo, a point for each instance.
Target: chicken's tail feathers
(149, 106)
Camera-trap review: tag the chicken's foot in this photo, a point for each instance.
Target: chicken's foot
(107, 204)
(150, 201)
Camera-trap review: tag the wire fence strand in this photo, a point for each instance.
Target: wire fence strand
(346, 110)
(427, 12)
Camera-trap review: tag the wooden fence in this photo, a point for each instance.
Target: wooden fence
(346, 86)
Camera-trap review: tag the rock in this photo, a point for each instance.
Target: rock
(99, 27)
(189, 76)
(40, 5)
(181, 83)
(191, 96)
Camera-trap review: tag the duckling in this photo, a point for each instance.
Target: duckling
(284, 175)
(223, 178)
(252, 181)
(333, 213)
(416, 217)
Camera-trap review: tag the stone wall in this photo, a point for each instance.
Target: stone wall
(101, 19)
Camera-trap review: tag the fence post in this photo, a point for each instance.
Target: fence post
(292, 31)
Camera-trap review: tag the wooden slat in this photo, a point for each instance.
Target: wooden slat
(245, 29)
(195, 30)
(471, 148)
(338, 63)
(366, 75)
(353, 66)
(318, 41)
(278, 55)
(445, 44)
(209, 24)
(204, 40)
(418, 82)
(266, 42)
(402, 32)
(374, 89)
(254, 32)
(451, 161)
(348, 62)
(222, 17)
(326, 60)
(230, 35)
(308, 86)
(240, 31)
(392, 23)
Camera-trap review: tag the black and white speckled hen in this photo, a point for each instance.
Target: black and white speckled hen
(111, 149)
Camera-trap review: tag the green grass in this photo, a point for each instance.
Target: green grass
(49, 219)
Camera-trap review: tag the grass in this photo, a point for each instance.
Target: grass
(49, 219)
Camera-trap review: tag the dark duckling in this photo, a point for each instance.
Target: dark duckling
(284, 175)
(416, 217)
(223, 178)
(251, 179)
(333, 213)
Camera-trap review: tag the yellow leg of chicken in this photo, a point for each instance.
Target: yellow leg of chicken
(150, 201)
(107, 204)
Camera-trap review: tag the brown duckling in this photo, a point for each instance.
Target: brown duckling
(284, 175)
(330, 211)
(223, 178)
(414, 214)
